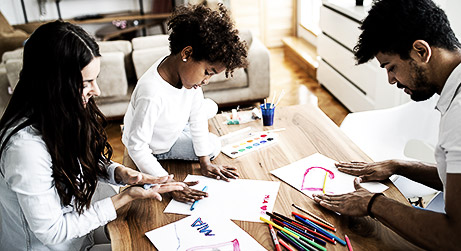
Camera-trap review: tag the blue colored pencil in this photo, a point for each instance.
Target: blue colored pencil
(291, 241)
(315, 239)
(195, 202)
(321, 230)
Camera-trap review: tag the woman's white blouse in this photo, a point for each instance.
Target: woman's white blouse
(31, 214)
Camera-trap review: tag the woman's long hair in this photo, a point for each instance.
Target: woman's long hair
(48, 97)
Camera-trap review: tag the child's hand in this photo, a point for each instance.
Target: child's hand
(189, 194)
(219, 171)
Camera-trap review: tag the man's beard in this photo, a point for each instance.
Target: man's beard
(423, 89)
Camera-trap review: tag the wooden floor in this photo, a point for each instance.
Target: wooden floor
(287, 75)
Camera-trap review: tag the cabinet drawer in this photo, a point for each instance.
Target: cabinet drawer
(342, 89)
(339, 27)
(364, 76)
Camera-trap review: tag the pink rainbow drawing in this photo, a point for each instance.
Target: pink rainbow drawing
(331, 175)
(234, 243)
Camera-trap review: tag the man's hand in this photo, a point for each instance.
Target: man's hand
(189, 194)
(353, 204)
(370, 171)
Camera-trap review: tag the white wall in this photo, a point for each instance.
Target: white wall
(452, 9)
(12, 9)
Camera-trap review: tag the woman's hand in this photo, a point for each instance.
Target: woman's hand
(137, 192)
(370, 171)
(129, 176)
(189, 194)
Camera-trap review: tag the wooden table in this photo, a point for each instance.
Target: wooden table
(308, 130)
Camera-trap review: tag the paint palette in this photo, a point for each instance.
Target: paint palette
(249, 144)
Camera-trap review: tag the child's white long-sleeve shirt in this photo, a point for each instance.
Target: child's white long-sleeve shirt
(156, 116)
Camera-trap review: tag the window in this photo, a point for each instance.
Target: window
(309, 15)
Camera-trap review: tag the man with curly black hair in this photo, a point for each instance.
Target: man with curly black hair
(167, 117)
(413, 41)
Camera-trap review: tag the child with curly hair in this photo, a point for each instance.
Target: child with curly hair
(166, 117)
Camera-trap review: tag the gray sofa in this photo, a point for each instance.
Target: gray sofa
(123, 62)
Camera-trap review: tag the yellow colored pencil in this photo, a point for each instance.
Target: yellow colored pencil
(325, 182)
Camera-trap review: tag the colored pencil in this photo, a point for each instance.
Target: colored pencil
(313, 215)
(304, 243)
(304, 226)
(326, 238)
(321, 230)
(324, 182)
(292, 242)
(316, 222)
(285, 245)
(274, 238)
(292, 234)
(300, 232)
(195, 202)
(349, 245)
(284, 218)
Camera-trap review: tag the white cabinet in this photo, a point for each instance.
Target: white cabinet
(358, 87)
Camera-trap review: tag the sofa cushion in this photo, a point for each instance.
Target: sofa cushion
(16, 54)
(120, 46)
(220, 82)
(13, 68)
(13, 65)
(144, 59)
(246, 36)
(112, 78)
(140, 43)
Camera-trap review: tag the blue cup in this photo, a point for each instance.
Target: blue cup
(268, 114)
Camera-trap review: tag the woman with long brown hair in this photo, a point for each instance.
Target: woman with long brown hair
(54, 150)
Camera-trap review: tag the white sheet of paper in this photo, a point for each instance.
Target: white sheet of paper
(239, 199)
(199, 232)
(308, 174)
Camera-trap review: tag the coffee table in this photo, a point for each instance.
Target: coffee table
(308, 131)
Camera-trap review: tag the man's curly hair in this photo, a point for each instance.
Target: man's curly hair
(393, 25)
(211, 34)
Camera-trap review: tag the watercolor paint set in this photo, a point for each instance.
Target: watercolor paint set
(252, 143)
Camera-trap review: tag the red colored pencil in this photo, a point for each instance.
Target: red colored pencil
(320, 235)
(274, 238)
(285, 245)
(315, 221)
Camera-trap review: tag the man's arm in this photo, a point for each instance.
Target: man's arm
(423, 173)
(382, 170)
(425, 228)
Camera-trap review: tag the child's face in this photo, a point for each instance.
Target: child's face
(198, 73)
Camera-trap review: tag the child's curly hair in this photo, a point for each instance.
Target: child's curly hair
(211, 34)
